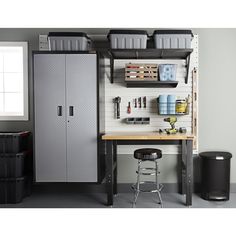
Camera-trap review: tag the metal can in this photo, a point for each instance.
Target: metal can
(181, 106)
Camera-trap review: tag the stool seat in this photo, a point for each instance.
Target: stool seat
(147, 154)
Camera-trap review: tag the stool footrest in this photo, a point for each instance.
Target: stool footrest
(134, 187)
(148, 168)
(147, 173)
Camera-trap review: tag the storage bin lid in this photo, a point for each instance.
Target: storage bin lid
(14, 133)
(216, 155)
(12, 179)
(123, 31)
(13, 155)
(173, 32)
(68, 34)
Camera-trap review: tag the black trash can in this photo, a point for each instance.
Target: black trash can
(215, 175)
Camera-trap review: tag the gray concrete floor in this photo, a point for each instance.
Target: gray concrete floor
(122, 200)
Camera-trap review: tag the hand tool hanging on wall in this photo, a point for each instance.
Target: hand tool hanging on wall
(140, 102)
(144, 102)
(117, 101)
(129, 108)
(135, 102)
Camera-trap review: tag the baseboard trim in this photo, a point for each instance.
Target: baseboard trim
(233, 188)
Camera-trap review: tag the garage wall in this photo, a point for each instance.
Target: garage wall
(217, 82)
(217, 97)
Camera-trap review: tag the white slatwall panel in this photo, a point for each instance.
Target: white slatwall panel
(118, 88)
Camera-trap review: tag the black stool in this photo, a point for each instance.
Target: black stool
(147, 154)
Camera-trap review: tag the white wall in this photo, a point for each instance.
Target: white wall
(217, 91)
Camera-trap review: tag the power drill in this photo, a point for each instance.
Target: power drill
(172, 121)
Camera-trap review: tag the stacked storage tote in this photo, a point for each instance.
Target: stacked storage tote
(15, 167)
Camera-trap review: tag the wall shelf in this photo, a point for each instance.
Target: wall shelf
(151, 84)
(150, 53)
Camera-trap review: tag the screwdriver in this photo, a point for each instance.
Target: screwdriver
(144, 102)
(140, 102)
(135, 102)
(129, 108)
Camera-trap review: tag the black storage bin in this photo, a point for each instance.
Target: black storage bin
(69, 41)
(215, 175)
(128, 39)
(28, 162)
(12, 190)
(173, 38)
(28, 185)
(15, 165)
(14, 142)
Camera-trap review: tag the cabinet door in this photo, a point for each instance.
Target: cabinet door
(81, 97)
(50, 121)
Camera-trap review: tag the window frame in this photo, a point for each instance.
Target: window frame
(25, 116)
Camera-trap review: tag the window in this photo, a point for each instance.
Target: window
(13, 81)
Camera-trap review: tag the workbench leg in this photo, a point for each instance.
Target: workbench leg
(189, 173)
(183, 167)
(115, 161)
(109, 172)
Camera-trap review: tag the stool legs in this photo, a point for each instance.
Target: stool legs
(158, 187)
(157, 184)
(137, 189)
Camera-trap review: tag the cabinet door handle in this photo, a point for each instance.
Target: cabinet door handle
(71, 111)
(59, 111)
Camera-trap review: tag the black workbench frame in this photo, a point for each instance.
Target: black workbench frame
(186, 165)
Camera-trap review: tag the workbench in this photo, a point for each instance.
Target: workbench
(113, 139)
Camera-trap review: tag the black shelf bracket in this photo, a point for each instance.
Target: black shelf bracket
(111, 66)
(161, 54)
(111, 69)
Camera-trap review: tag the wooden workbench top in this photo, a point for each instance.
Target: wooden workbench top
(145, 136)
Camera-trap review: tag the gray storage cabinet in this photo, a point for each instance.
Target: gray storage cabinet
(66, 131)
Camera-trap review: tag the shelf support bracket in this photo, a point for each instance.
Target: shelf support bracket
(111, 69)
(161, 56)
(187, 65)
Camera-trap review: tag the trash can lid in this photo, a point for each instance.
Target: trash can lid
(215, 155)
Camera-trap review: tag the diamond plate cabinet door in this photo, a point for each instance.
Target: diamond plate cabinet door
(50, 125)
(81, 97)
